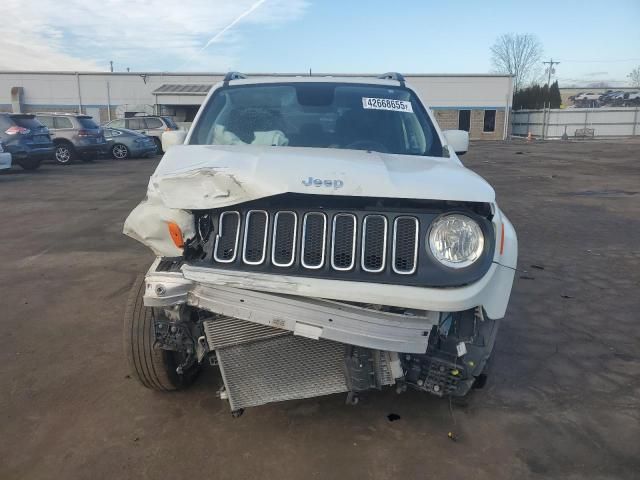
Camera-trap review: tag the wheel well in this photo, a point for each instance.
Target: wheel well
(62, 141)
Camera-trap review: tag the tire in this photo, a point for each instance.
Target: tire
(30, 163)
(158, 143)
(120, 151)
(153, 367)
(64, 153)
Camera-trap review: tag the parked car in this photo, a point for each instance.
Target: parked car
(631, 98)
(588, 96)
(74, 136)
(123, 143)
(5, 158)
(314, 238)
(26, 139)
(151, 126)
(610, 96)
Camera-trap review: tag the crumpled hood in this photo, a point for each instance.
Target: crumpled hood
(193, 177)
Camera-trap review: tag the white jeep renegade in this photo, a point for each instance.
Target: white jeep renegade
(314, 236)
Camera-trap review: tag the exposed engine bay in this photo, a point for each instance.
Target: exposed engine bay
(263, 364)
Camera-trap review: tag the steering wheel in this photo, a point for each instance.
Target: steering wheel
(368, 145)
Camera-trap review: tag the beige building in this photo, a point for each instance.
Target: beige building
(478, 103)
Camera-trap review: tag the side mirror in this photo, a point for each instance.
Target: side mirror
(458, 140)
(173, 137)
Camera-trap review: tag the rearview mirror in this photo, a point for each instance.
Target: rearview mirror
(458, 140)
(173, 137)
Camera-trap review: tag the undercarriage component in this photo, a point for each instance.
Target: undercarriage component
(172, 335)
(433, 375)
(366, 369)
(170, 368)
(175, 330)
(459, 349)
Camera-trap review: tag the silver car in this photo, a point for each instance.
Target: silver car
(125, 143)
(151, 126)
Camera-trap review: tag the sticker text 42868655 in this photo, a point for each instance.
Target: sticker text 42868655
(387, 104)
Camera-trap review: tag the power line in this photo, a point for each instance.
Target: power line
(618, 60)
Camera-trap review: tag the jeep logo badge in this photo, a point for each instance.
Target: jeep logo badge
(319, 182)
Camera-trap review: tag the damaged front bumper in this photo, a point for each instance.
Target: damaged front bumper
(300, 305)
(304, 316)
(275, 343)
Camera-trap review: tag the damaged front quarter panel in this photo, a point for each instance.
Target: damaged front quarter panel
(148, 224)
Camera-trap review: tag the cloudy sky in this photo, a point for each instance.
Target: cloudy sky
(325, 35)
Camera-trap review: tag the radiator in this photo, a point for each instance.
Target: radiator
(261, 364)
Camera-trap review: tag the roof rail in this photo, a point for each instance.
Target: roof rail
(393, 76)
(54, 113)
(233, 76)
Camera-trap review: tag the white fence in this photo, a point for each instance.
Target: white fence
(599, 122)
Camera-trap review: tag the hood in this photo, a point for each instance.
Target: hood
(192, 177)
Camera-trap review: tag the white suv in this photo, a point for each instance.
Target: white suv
(318, 235)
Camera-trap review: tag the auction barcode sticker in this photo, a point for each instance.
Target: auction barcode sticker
(387, 104)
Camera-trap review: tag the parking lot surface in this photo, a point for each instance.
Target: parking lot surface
(563, 399)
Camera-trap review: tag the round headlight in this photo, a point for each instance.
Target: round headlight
(456, 240)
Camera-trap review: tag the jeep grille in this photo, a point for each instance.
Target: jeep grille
(379, 246)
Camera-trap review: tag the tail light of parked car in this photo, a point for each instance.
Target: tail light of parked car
(86, 133)
(15, 130)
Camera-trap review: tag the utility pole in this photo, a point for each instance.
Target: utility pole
(111, 65)
(550, 70)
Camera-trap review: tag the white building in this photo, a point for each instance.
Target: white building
(478, 103)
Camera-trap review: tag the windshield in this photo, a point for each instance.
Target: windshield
(322, 115)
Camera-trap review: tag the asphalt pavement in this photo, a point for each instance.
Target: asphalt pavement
(562, 402)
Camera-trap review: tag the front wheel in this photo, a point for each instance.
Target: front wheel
(64, 154)
(120, 151)
(153, 367)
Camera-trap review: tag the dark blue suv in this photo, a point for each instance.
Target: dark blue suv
(26, 139)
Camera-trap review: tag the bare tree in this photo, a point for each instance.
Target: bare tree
(517, 54)
(634, 77)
